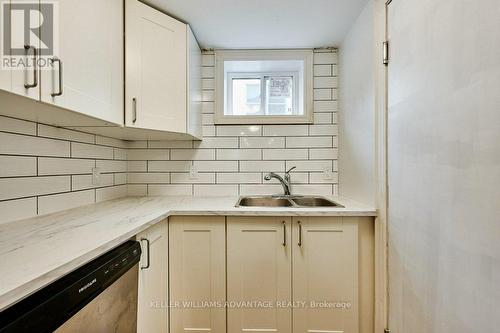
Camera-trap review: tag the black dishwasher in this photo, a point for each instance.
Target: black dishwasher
(100, 296)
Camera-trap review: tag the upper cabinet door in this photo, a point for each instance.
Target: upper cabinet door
(5, 79)
(24, 79)
(259, 270)
(156, 65)
(87, 68)
(5, 73)
(325, 271)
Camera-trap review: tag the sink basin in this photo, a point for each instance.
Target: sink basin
(286, 201)
(263, 202)
(314, 202)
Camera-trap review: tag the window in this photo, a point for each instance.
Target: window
(262, 94)
(259, 87)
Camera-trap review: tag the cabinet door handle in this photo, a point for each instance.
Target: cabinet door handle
(300, 234)
(35, 69)
(284, 233)
(60, 92)
(134, 110)
(148, 262)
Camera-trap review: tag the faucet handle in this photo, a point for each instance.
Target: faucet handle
(287, 172)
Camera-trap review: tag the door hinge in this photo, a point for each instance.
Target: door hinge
(386, 53)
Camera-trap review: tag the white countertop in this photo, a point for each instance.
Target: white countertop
(38, 251)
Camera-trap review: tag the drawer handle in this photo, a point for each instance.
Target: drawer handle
(134, 110)
(35, 69)
(284, 233)
(60, 92)
(300, 234)
(147, 256)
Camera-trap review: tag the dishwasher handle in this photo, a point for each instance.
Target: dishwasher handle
(148, 258)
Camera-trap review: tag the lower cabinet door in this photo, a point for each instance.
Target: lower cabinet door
(325, 275)
(198, 273)
(259, 274)
(152, 312)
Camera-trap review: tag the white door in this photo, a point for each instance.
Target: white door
(24, 76)
(443, 166)
(152, 310)
(156, 69)
(325, 275)
(87, 76)
(197, 274)
(259, 274)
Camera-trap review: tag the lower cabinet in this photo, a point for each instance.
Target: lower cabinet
(274, 274)
(198, 274)
(325, 275)
(259, 274)
(152, 310)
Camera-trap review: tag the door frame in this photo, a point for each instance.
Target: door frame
(381, 221)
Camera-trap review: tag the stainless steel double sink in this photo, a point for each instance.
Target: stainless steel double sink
(295, 201)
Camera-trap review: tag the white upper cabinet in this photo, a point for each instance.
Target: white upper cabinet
(22, 76)
(5, 79)
(87, 67)
(86, 70)
(163, 65)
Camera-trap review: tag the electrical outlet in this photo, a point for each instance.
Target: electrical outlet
(96, 176)
(327, 174)
(193, 172)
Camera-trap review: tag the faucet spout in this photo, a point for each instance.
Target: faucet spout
(285, 181)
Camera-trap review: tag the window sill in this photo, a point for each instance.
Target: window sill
(268, 120)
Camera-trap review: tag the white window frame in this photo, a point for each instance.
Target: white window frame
(223, 85)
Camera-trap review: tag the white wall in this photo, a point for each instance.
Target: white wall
(444, 166)
(357, 110)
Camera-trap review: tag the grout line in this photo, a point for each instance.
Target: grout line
(59, 193)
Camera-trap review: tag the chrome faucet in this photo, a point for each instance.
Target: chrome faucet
(285, 181)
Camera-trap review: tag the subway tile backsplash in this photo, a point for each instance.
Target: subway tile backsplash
(44, 169)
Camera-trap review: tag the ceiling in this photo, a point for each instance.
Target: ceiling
(239, 24)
